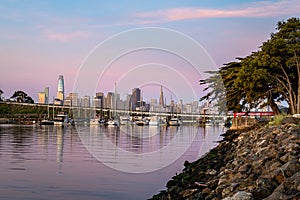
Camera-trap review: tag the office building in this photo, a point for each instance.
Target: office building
(135, 98)
(161, 97)
(42, 97)
(85, 101)
(60, 88)
(46, 91)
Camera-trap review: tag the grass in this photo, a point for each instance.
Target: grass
(276, 120)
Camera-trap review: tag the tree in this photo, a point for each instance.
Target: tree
(1, 92)
(270, 75)
(22, 97)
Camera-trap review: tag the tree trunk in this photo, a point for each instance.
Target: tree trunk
(274, 107)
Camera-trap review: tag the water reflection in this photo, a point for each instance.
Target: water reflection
(138, 149)
(53, 160)
(60, 144)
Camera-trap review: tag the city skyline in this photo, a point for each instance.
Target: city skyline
(113, 100)
(40, 40)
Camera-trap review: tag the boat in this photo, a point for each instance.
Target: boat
(174, 121)
(62, 119)
(47, 122)
(142, 122)
(154, 121)
(113, 122)
(125, 120)
(94, 121)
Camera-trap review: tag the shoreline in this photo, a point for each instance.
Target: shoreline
(258, 162)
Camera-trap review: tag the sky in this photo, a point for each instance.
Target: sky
(40, 40)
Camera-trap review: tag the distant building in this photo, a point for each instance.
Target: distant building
(42, 97)
(71, 99)
(161, 97)
(101, 97)
(97, 103)
(46, 91)
(109, 100)
(85, 101)
(135, 98)
(60, 88)
(128, 105)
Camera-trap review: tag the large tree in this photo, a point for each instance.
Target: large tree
(22, 97)
(1, 92)
(270, 75)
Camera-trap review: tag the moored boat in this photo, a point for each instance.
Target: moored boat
(47, 122)
(174, 121)
(62, 119)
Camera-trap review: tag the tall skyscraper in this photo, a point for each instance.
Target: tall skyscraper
(60, 88)
(135, 98)
(46, 95)
(161, 97)
(101, 97)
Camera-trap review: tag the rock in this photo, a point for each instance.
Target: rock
(257, 163)
(211, 172)
(288, 189)
(290, 120)
(290, 168)
(206, 191)
(287, 157)
(241, 195)
(244, 168)
(261, 193)
(187, 192)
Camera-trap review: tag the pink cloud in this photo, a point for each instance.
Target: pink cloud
(261, 9)
(66, 36)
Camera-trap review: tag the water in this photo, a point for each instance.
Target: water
(49, 162)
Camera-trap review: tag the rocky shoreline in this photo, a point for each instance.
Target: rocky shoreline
(259, 162)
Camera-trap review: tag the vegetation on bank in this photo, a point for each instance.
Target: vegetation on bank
(265, 77)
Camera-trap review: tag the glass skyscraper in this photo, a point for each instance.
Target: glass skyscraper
(60, 88)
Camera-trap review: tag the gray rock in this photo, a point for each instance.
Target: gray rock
(290, 168)
(290, 120)
(241, 195)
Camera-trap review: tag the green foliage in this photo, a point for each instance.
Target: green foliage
(265, 77)
(22, 97)
(277, 120)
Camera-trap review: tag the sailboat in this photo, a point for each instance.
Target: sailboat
(143, 120)
(47, 121)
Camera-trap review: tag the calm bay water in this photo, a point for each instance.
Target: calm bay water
(130, 162)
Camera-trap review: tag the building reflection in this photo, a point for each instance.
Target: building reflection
(60, 132)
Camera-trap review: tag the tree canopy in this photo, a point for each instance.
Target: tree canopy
(270, 75)
(22, 97)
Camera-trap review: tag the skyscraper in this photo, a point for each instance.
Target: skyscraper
(135, 98)
(161, 97)
(46, 95)
(60, 88)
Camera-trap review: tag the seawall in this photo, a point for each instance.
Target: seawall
(258, 162)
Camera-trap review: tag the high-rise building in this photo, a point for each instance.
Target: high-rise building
(135, 98)
(85, 101)
(60, 88)
(72, 99)
(46, 91)
(109, 100)
(161, 97)
(42, 97)
(101, 97)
